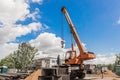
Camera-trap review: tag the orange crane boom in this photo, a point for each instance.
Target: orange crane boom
(73, 30)
(83, 54)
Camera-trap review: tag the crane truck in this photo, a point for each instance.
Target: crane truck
(74, 60)
(73, 66)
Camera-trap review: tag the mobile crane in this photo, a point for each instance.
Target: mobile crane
(76, 62)
(73, 66)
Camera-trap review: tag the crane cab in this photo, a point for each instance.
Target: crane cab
(70, 55)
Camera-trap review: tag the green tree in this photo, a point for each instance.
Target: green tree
(24, 55)
(20, 58)
(7, 61)
(111, 66)
(117, 61)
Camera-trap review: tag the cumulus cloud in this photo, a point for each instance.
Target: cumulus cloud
(16, 10)
(45, 40)
(37, 1)
(49, 44)
(13, 10)
(102, 59)
(6, 49)
(11, 32)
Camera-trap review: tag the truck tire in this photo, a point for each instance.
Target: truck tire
(81, 75)
(73, 75)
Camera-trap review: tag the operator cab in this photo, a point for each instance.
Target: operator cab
(70, 55)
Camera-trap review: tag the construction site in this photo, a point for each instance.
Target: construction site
(73, 62)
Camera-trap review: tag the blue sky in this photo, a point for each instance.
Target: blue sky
(39, 22)
(95, 21)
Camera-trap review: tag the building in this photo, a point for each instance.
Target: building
(45, 62)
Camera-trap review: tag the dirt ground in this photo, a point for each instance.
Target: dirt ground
(105, 78)
(108, 75)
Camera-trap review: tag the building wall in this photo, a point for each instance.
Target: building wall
(46, 62)
(53, 62)
(43, 63)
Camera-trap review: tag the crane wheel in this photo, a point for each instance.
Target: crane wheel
(81, 75)
(73, 75)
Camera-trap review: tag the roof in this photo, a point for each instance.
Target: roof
(46, 58)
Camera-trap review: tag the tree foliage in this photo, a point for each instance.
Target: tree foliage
(20, 58)
(7, 61)
(111, 66)
(117, 61)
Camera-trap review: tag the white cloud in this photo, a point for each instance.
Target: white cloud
(118, 22)
(37, 1)
(6, 49)
(46, 40)
(16, 10)
(10, 33)
(102, 59)
(13, 10)
(49, 44)
(35, 14)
